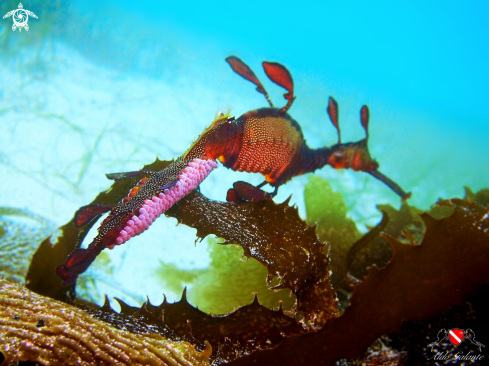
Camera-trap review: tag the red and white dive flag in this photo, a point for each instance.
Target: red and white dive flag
(456, 336)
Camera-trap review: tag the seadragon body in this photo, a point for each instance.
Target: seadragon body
(267, 141)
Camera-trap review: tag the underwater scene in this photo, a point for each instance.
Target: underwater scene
(260, 183)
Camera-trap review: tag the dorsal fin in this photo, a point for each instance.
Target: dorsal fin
(333, 114)
(240, 68)
(87, 213)
(281, 76)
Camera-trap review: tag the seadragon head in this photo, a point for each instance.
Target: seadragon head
(219, 141)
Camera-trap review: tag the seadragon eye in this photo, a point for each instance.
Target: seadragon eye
(230, 119)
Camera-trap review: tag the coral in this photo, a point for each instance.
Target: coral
(37, 328)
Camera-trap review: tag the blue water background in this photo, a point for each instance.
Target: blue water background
(421, 67)
(112, 84)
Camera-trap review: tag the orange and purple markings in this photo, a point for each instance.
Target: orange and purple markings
(266, 141)
(272, 142)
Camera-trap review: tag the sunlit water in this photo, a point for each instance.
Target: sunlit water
(112, 86)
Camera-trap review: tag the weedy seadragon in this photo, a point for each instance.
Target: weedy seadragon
(267, 141)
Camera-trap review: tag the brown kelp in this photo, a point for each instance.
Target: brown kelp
(421, 281)
(265, 230)
(231, 336)
(445, 268)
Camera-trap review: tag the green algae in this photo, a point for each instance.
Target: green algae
(481, 197)
(229, 282)
(327, 209)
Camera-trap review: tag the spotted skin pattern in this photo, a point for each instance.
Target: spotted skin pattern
(267, 141)
(144, 204)
(270, 146)
(273, 145)
(189, 179)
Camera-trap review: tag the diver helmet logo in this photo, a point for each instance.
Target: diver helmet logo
(20, 17)
(456, 336)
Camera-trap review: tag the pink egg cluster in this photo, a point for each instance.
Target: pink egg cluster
(188, 180)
